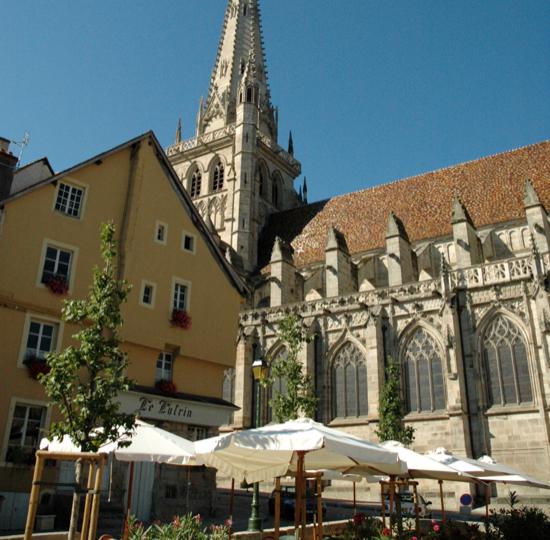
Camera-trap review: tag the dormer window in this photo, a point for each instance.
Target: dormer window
(218, 178)
(196, 183)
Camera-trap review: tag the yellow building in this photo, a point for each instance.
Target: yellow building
(49, 244)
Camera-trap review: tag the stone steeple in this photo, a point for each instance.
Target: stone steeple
(240, 67)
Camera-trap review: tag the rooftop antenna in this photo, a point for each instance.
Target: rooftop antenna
(22, 144)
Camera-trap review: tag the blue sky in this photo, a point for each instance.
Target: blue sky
(372, 90)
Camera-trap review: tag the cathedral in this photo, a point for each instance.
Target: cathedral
(447, 272)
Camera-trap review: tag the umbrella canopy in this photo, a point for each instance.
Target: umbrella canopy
(421, 466)
(147, 443)
(261, 454)
(510, 475)
(463, 465)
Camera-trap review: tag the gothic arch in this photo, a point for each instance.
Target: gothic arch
(201, 207)
(191, 182)
(276, 189)
(348, 381)
(264, 185)
(217, 173)
(422, 357)
(505, 359)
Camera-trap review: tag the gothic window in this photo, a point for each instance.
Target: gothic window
(275, 193)
(349, 382)
(423, 373)
(506, 365)
(278, 385)
(228, 387)
(217, 181)
(262, 183)
(196, 182)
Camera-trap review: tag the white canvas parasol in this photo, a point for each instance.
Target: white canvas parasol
(264, 453)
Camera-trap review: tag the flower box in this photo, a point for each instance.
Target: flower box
(168, 388)
(36, 366)
(181, 319)
(57, 284)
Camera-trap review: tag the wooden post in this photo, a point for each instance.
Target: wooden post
(277, 524)
(303, 503)
(392, 495)
(441, 497)
(88, 501)
(320, 506)
(34, 497)
(383, 507)
(487, 502)
(129, 501)
(416, 509)
(354, 500)
(231, 504)
(96, 497)
(298, 490)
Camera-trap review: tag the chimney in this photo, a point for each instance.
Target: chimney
(7, 168)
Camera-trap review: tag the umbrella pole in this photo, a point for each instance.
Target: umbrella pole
(35, 494)
(392, 495)
(96, 498)
(277, 523)
(187, 490)
(441, 497)
(320, 507)
(88, 500)
(354, 500)
(231, 502)
(416, 509)
(383, 506)
(487, 502)
(129, 502)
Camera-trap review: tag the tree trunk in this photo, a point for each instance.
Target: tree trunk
(75, 508)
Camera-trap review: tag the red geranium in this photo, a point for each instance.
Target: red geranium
(57, 284)
(166, 387)
(181, 318)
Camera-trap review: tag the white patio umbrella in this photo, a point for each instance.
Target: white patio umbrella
(147, 443)
(510, 475)
(257, 455)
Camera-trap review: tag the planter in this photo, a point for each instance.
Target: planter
(181, 319)
(168, 388)
(57, 284)
(36, 367)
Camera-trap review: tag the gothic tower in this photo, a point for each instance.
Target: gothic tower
(233, 167)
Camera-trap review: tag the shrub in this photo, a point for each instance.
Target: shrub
(524, 522)
(188, 527)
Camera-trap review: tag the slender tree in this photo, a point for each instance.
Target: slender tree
(391, 426)
(299, 397)
(85, 380)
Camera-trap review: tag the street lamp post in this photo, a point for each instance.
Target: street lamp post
(260, 371)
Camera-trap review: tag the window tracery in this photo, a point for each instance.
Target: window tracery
(349, 382)
(218, 177)
(506, 364)
(196, 183)
(422, 361)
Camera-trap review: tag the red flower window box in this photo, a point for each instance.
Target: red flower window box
(181, 319)
(166, 387)
(36, 366)
(57, 284)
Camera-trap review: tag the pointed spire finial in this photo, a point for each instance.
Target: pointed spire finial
(178, 132)
(395, 227)
(304, 190)
(290, 143)
(530, 196)
(300, 194)
(459, 212)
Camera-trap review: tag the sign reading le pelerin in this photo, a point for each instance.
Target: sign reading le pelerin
(174, 410)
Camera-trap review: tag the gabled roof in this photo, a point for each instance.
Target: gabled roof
(175, 182)
(491, 189)
(30, 174)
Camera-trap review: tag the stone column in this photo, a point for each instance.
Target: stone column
(283, 274)
(338, 266)
(400, 255)
(537, 218)
(468, 248)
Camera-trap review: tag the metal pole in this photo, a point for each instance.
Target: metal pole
(255, 522)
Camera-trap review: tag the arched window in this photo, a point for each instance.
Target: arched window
(505, 363)
(278, 385)
(275, 192)
(196, 183)
(349, 382)
(423, 373)
(261, 180)
(228, 388)
(218, 178)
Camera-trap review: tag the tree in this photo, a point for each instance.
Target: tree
(390, 425)
(299, 397)
(84, 381)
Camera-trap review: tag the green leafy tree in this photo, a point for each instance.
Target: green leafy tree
(391, 426)
(84, 381)
(299, 397)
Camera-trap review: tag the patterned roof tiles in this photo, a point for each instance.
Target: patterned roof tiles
(490, 188)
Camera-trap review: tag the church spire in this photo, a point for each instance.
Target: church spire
(240, 54)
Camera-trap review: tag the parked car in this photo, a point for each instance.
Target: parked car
(407, 505)
(288, 503)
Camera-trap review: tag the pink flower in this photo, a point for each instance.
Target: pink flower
(229, 522)
(436, 528)
(414, 538)
(197, 518)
